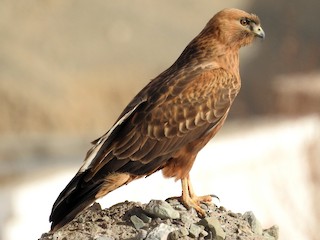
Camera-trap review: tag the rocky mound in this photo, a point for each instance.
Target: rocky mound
(161, 220)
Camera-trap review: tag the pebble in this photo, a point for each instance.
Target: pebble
(142, 234)
(137, 222)
(186, 219)
(215, 227)
(160, 221)
(180, 207)
(176, 204)
(95, 207)
(232, 214)
(273, 231)
(104, 238)
(145, 218)
(222, 209)
(267, 236)
(161, 209)
(253, 222)
(204, 233)
(178, 234)
(160, 232)
(195, 230)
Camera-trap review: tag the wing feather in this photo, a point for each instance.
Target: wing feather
(145, 148)
(154, 131)
(122, 151)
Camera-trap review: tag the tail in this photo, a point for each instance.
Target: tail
(82, 191)
(76, 196)
(88, 185)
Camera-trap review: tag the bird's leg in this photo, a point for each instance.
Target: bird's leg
(205, 199)
(190, 200)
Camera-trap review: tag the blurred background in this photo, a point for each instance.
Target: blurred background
(68, 68)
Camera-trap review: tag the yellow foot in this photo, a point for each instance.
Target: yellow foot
(203, 199)
(190, 200)
(195, 201)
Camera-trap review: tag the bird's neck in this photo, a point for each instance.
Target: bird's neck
(229, 60)
(222, 56)
(217, 56)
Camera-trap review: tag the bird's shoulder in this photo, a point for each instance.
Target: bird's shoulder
(203, 98)
(172, 97)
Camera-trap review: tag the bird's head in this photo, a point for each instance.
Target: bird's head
(235, 28)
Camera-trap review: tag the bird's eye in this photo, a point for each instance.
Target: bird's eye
(244, 21)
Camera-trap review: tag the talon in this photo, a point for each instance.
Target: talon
(190, 200)
(204, 199)
(215, 196)
(191, 203)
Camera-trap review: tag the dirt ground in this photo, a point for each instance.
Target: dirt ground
(133, 220)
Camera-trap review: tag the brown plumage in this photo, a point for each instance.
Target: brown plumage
(169, 121)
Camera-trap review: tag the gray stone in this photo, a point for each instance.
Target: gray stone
(222, 209)
(176, 204)
(186, 219)
(180, 207)
(184, 231)
(178, 234)
(273, 231)
(145, 218)
(160, 232)
(253, 222)
(266, 236)
(175, 235)
(104, 238)
(137, 222)
(214, 226)
(204, 233)
(161, 209)
(192, 212)
(142, 234)
(195, 230)
(232, 214)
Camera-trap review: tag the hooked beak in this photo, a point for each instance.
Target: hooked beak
(258, 31)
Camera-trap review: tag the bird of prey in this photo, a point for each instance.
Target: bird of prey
(169, 121)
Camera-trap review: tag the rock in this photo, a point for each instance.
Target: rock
(273, 231)
(161, 209)
(178, 234)
(77, 236)
(232, 214)
(180, 208)
(176, 204)
(204, 233)
(160, 232)
(129, 220)
(142, 234)
(214, 226)
(195, 230)
(145, 218)
(186, 219)
(104, 238)
(222, 209)
(267, 236)
(253, 222)
(137, 222)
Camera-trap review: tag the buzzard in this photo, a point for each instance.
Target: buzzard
(169, 121)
